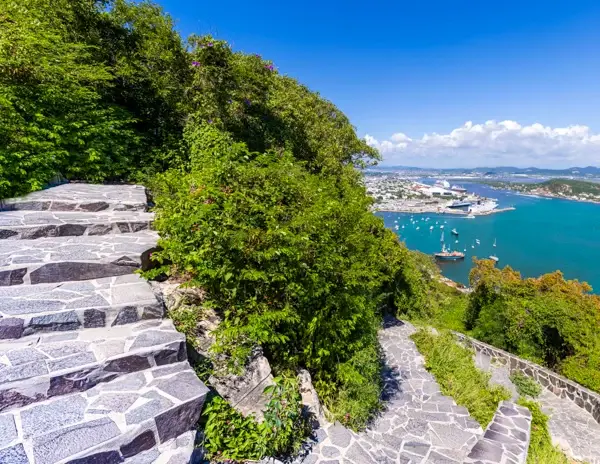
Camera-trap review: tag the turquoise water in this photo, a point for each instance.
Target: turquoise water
(541, 235)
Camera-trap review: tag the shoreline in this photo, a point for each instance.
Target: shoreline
(549, 196)
(426, 210)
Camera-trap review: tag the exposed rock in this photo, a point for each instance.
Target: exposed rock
(245, 392)
(310, 399)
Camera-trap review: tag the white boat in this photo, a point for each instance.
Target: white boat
(396, 227)
(403, 227)
(494, 258)
(418, 228)
(456, 241)
(441, 227)
(477, 241)
(494, 243)
(430, 227)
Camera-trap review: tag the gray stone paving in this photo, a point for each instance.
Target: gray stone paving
(82, 197)
(506, 439)
(89, 372)
(62, 259)
(20, 225)
(27, 309)
(573, 429)
(419, 425)
(36, 368)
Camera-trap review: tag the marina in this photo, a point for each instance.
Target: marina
(538, 237)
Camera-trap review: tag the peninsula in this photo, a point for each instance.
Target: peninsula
(570, 189)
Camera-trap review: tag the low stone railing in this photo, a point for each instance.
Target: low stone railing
(506, 439)
(557, 384)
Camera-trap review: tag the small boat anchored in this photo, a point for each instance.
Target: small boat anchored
(447, 255)
(454, 232)
(494, 258)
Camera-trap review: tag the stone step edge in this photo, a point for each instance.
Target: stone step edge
(158, 433)
(18, 326)
(84, 206)
(506, 438)
(32, 232)
(167, 431)
(24, 392)
(177, 451)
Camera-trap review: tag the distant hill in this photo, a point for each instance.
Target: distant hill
(503, 170)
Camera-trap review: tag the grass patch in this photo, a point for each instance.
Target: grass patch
(541, 450)
(526, 386)
(458, 377)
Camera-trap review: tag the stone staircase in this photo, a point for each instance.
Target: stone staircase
(420, 425)
(90, 373)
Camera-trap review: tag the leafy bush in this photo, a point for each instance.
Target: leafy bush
(549, 320)
(280, 255)
(229, 435)
(526, 386)
(541, 449)
(454, 369)
(88, 90)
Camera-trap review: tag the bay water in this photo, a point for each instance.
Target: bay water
(541, 235)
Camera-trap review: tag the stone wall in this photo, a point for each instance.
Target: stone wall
(506, 439)
(560, 386)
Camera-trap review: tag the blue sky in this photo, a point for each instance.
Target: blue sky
(411, 74)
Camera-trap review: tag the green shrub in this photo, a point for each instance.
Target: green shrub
(454, 369)
(230, 436)
(541, 450)
(549, 320)
(526, 386)
(88, 90)
(294, 260)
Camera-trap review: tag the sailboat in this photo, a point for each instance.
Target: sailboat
(446, 255)
(454, 232)
(494, 257)
(494, 245)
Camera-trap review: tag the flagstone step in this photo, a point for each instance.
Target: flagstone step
(18, 225)
(64, 306)
(134, 419)
(63, 259)
(39, 367)
(82, 197)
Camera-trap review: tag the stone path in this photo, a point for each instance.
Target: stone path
(420, 425)
(16, 225)
(90, 373)
(572, 429)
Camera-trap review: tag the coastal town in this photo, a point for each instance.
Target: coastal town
(394, 193)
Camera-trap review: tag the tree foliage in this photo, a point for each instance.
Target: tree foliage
(88, 90)
(550, 320)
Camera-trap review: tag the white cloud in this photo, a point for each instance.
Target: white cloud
(494, 143)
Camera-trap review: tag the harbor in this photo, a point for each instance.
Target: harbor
(401, 195)
(540, 236)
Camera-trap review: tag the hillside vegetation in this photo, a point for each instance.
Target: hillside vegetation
(256, 180)
(567, 188)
